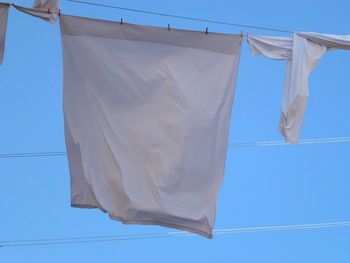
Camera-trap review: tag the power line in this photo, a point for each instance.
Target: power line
(283, 143)
(177, 234)
(31, 154)
(180, 17)
(232, 145)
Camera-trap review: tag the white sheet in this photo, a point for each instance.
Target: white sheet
(147, 114)
(303, 53)
(4, 10)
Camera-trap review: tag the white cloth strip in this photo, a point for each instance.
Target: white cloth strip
(4, 10)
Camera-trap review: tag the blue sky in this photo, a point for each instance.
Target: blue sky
(262, 186)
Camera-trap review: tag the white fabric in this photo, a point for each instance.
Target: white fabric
(147, 113)
(46, 4)
(303, 53)
(41, 9)
(4, 10)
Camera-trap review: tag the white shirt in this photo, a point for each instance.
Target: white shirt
(302, 52)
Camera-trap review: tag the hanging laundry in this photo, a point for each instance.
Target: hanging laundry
(46, 4)
(4, 10)
(147, 114)
(44, 9)
(302, 53)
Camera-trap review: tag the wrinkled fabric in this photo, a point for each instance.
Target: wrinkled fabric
(46, 4)
(331, 41)
(302, 53)
(146, 115)
(44, 9)
(271, 47)
(4, 10)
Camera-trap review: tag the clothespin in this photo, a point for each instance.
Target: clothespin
(121, 21)
(59, 12)
(48, 11)
(206, 31)
(168, 27)
(241, 33)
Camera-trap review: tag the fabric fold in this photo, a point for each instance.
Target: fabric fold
(271, 47)
(4, 10)
(46, 4)
(302, 52)
(147, 114)
(44, 9)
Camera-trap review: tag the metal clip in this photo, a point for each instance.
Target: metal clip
(206, 31)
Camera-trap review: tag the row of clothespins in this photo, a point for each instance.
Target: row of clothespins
(206, 29)
(121, 21)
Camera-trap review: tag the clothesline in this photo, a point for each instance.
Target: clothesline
(231, 145)
(159, 14)
(174, 234)
(181, 17)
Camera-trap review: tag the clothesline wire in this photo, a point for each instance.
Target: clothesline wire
(180, 17)
(231, 145)
(283, 143)
(175, 234)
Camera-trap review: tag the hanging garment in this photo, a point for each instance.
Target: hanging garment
(46, 4)
(4, 10)
(303, 53)
(147, 114)
(44, 9)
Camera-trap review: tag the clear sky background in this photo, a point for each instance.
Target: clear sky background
(263, 186)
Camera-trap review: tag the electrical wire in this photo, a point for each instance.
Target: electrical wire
(283, 143)
(232, 145)
(176, 234)
(180, 17)
(31, 154)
